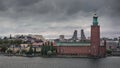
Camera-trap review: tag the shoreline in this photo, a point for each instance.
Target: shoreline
(55, 56)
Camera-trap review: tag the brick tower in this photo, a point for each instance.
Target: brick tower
(95, 37)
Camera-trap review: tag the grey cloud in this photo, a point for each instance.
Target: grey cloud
(2, 7)
(40, 14)
(56, 8)
(25, 2)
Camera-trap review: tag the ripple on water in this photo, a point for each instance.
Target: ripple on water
(38, 62)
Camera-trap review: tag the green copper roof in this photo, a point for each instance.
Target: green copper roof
(95, 21)
(73, 43)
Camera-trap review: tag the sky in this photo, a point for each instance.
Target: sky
(52, 18)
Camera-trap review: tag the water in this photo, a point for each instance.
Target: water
(38, 62)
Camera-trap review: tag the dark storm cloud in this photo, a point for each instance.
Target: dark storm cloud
(2, 7)
(114, 6)
(25, 2)
(55, 8)
(44, 14)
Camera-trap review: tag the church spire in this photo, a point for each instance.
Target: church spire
(95, 21)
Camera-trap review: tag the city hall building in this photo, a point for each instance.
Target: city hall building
(93, 48)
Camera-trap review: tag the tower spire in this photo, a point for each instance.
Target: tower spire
(74, 35)
(83, 38)
(95, 19)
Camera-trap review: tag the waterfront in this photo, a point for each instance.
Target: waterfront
(39, 62)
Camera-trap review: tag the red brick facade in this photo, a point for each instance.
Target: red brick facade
(102, 52)
(95, 40)
(73, 50)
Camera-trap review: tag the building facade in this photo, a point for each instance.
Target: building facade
(94, 48)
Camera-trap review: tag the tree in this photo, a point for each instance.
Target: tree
(30, 50)
(9, 51)
(34, 50)
(3, 48)
(109, 51)
(22, 51)
(48, 50)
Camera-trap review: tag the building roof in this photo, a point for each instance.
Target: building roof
(38, 37)
(37, 44)
(72, 43)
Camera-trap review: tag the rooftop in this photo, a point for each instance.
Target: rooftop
(72, 43)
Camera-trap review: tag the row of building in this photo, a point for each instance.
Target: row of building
(93, 47)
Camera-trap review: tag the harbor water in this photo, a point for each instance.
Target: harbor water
(40, 62)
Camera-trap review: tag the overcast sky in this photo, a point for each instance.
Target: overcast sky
(52, 18)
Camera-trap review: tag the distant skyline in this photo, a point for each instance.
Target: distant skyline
(52, 18)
